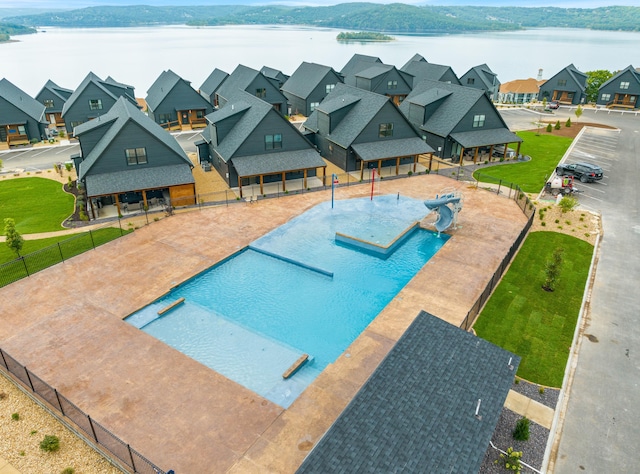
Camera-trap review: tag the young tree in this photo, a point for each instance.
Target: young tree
(552, 270)
(568, 123)
(549, 128)
(13, 239)
(594, 80)
(557, 125)
(578, 112)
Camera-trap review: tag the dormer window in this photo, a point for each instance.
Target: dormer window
(471, 80)
(261, 93)
(385, 130)
(392, 84)
(624, 85)
(329, 87)
(562, 82)
(48, 103)
(95, 104)
(136, 156)
(478, 121)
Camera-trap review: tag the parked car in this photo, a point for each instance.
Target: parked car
(585, 172)
(553, 105)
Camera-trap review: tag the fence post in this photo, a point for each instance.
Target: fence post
(4, 361)
(226, 198)
(25, 266)
(499, 186)
(93, 244)
(59, 403)
(60, 250)
(133, 464)
(93, 431)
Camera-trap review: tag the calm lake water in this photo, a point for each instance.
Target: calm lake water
(137, 56)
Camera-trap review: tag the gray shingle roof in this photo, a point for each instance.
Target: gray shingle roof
(136, 179)
(357, 63)
(272, 73)
(160, 88)
(482, 137)
(485, 74)
(240, 78)
(213, 82)
(423, 70)
(271, 163)
(122, 113)
(382, 149)
(305, 79)
(55, 89)
(21, 100)
(415, 57)
(416, 413)
(450, 112)
(108, 86)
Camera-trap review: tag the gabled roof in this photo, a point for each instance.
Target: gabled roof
(55, 89)
(252, 109)
(415, 57)
(21, 100)
(161, 87)
(634, 73)
(272, 73)
(214, 81)
(579, 78)
(281, 162)
(484, 72)
(357, 63)
(240, 78)
(120, 115)
(458, 102)
(108, 86)
(306, 78)
(417, 411)
(422, 70)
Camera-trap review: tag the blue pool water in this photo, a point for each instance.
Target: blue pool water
(253, 315)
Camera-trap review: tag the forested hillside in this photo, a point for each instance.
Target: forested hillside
(394, 18)
(8, 29)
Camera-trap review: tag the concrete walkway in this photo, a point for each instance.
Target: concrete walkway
(535, 411)
(6, 468)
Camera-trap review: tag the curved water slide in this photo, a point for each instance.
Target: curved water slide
(445, 213)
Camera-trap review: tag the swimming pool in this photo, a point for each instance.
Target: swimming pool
(295, 291)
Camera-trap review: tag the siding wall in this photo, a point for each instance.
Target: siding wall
(10, 114)
(80, 111)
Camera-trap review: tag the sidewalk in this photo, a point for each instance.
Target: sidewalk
(6, 468)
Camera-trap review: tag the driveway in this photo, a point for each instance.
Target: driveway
(600, 427)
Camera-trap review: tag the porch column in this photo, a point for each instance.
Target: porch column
(491, 152)
(304, 179)
(284, 186)
(144, 199)
(361, 169)
(430, 161)
(262, 184)
(324, 175)
(518, 150)
(415, 162)
(93, 211)
(506, 148)
(397, 166)
(240, 186)
(379, 167)
(115, 196)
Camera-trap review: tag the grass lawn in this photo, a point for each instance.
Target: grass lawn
(545, 151)
(36, 204)
(43, 253)
(535, 324)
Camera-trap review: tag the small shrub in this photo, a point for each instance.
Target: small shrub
(486, 162)
(516, 381)
(50, 443)
(3, 395)
(33, 432)
(21, 453)
(582, 219)
(568, 203)
(521, 433)
(543, 224)
(501, 159)
(557, 125)
(61, 134)
(33, 141)
(587, 235)
(68, 166)
(15, 416)
(568, 124)
(549, 128)
(557, 221)
(68, 470)
(541, 390)
(510, 460)
(410, 173)
(567, 222)
(560, 227)
(156, 219)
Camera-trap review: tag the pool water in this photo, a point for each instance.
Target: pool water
(294, 291)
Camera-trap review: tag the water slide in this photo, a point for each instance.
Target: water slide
(445, 213)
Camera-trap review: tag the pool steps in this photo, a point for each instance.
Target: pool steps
(292, 261)
(171, 306)
(296, 366)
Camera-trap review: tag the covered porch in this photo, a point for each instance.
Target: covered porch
(623, 101)
(482, 145)
(391, 153)
(280, 167)
(563, 97)
(186, 120)
(14, 134)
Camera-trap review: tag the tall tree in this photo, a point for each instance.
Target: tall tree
(594, 80)
(13, 239)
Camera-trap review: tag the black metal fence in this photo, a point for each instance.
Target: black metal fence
(66, 411)
(529, 210)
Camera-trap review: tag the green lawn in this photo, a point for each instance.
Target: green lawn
(43, 253)
(545, 151)
(535, 324)
(36, 204)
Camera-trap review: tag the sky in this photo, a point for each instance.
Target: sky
(521, 3)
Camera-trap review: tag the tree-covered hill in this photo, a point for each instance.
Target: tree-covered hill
(9, 29)
(394, 18)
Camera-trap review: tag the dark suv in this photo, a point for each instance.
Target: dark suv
(585, 172)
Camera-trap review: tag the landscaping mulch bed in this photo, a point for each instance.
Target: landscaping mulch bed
(549, 396)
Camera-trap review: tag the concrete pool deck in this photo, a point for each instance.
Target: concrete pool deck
(65, 324)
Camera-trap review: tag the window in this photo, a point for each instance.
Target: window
(136, 156)
(392, 84)
(22, 130)
(605, 97)
(199, 114)
(562, 82)
(385, 130)
(471, 80)
(624, 85)
(262, 93)
(48, 103)
(164, 118)
(75, 124)
(272, 142)
(313, 105)
(95, 104)
(478, 121)
(329, 87)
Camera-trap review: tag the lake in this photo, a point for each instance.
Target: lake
(137, 56)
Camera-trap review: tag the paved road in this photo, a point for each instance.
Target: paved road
(601, 425)
(41, 158)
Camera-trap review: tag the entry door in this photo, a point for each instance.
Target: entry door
(52, 119)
